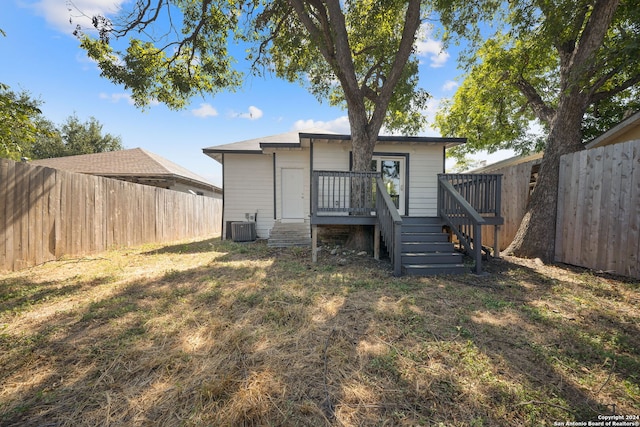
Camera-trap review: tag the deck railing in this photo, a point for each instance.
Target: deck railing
(390, 224)
(466, 202)
(463, 220)
(343, 193)
(481, 191)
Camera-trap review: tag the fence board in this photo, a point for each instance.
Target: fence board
(3, 214)
(53, 215)
(36, 236)
(603, 225)
(23, 208)
(624, 218)
(11, 217)
(634, 227)
(47, 213)
(633, 264)
(564, 174)
(595, 188)
(614, 204)
(6, 214)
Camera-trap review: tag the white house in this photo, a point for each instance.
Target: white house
(305, 178)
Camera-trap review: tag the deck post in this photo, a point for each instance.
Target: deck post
(496, 241)
(314, 243)
(397, 249)
(376, 242)
(477, 247)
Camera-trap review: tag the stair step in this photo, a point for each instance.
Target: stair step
(424, 237)
(422, 220)
(434, 270)
(413, 247)
(426, 249)
(289, 244)
(289, 234)
(431, 258)
(421, 228)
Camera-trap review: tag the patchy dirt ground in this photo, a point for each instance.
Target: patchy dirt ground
(217, 333)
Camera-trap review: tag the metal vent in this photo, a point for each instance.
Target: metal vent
(243, 231)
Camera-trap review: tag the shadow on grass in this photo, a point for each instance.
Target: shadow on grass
(18, 294)
(187, 248)
(263, 337)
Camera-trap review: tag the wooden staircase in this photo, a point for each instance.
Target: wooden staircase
(426, 249)
(288, 234)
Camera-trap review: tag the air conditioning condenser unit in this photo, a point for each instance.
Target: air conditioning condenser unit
(243, 231)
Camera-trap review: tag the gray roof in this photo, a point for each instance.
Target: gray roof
(296, 138)
(135, 162)
(253, 145)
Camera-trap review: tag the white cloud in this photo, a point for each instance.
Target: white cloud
(449, 85)
(253, 113)
(59, 13)
(431, 48)
(205, 110)
(339, 125)
(117, 97)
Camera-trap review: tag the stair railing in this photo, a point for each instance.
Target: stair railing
(463, 220)
(390, 224)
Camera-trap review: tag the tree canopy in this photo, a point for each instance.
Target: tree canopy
(18, 128)
(72, 138)
(544, 51)
(357, 54)
(564, 63)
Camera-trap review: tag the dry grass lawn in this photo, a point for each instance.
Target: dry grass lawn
(215, 333)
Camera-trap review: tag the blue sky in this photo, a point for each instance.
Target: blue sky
(41, 56)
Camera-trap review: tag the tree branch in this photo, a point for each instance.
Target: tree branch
(542, 111)
(314, 32)
(599, 96)
(412, 23)
(138, 21)
(593, 35)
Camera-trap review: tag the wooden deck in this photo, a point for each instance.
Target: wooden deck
(466, 203)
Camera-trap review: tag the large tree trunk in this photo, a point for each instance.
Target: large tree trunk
(327, 25)
(363, 143)
(537, 232)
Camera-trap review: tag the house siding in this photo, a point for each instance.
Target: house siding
(425, 163)
(252, 182)
(248, 188)
(184, 188)
(331, 156)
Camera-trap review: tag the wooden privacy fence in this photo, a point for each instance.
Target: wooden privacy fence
(515, 196)
(46, 213)
(598, 223)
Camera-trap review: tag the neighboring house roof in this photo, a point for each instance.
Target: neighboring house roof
(626, 130)
(303, 139)
(511, 161)
(135, 164)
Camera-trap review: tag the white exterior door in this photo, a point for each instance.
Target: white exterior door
(292, 194)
